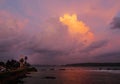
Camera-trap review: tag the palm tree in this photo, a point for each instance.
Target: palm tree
(26, 59)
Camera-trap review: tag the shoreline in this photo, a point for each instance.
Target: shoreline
(14, 76)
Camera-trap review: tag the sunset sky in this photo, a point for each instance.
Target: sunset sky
(60, 31)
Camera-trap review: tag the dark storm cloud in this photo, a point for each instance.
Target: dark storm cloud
(108, 57)
(96, 45)
(9, 49)
(8, 44)
(11, 35)
(47, 52)
(13, 41)
(33, 48)
(116, 23)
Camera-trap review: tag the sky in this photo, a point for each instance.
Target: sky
(60, 31)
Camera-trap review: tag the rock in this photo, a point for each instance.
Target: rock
(61, 69)
(52, 69)
(49, 77)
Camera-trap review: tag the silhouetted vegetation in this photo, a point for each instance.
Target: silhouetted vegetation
(2, 64)
(26, 59)
(12, 64)
(12, 70)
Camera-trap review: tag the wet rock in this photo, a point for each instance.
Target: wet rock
(61, 69)
(49, 77)
(52, 69)
(43, 69)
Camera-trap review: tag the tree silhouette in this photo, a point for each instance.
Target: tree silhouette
(26, 59)
(13, 64)
(2, 64)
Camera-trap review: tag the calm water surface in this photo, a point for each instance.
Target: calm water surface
(70, 75)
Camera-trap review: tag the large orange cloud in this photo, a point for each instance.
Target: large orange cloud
(77, 28)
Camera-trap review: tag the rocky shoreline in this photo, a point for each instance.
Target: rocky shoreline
(12, 77)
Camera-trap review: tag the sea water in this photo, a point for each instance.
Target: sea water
(73, 75)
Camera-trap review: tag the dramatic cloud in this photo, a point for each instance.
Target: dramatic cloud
(55, 31)
(56, 39)
(116, 23)
(108, 57)
(11, 34)
(77, 28)
(95, 46)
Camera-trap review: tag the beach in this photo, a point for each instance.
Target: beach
(72, 76)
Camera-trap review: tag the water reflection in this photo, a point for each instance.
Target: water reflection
(71, 76)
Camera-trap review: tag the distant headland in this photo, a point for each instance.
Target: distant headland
(95, 64)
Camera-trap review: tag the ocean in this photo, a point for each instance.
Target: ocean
(73, 75)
